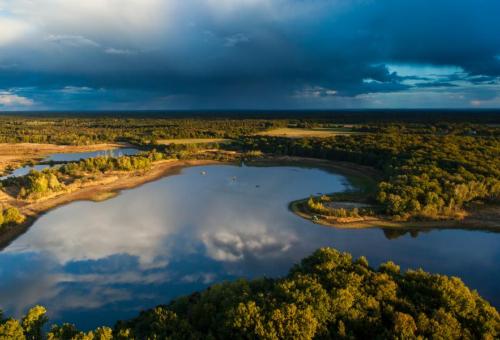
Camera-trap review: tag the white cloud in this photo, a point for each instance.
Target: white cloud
(235, 39)
(128, 18)
(72, 40)
(491, 103)
(12, 30)
(112, 50)
(10, 99)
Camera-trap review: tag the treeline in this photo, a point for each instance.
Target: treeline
(443, 128)
(38, 184)
(31, 327)
(104, 164)
(426, 176)
(327, 296)
(141, 128)
(94, 129)
(318, 208)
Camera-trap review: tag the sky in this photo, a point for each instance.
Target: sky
(248, 54)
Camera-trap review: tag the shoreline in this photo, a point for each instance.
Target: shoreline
(470, 222)
(479, 218)
(97, 192)
(371, 175)
(101, 191)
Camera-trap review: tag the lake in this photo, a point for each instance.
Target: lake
(94, 263)
(69, 157)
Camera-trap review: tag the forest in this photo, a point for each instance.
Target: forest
(90, 129)
(87, 128)
(329, 295)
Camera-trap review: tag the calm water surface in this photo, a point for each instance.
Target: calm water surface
(93, 263)
(70, 157)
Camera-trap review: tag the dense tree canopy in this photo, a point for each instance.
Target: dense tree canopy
(327, 296)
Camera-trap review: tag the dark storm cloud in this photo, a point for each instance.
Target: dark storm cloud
(242, 54)
(484, 79)
(435, 84)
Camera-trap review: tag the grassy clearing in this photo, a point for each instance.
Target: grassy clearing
(314, 132)
(196, 141)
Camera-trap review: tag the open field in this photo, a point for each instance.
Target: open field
(15, 154)
(195, 141)
(314, 132)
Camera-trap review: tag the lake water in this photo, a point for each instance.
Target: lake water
(93, 263)
(70, 157)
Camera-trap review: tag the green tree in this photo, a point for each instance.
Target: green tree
(10, 329)
(33, 323)
(12, 215)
